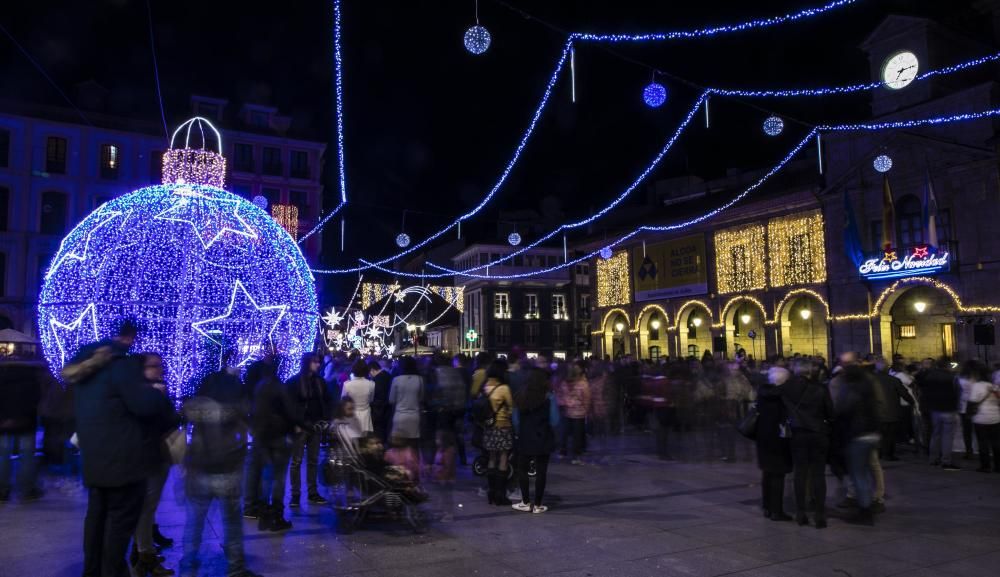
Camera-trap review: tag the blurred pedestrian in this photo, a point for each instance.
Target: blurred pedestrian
(380, 399)
(313, 403)
(406, 395)
(939, 398)
(774, 455)
(857, 409)
(112, 403)
(21, 385)
(810, 412)
(498, 436)
(213, 466)
(985, 398)
(361, 390)
(535, 436)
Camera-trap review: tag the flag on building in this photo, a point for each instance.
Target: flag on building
(888, 216)
(852, 237)
(930, 214)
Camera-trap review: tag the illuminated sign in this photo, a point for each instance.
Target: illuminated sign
(923, 260)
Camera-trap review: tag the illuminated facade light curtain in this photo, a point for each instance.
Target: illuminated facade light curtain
(739, 258)
(613, 281)
(796, 249)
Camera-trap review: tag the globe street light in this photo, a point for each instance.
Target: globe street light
(921, 306)
(696, 321)
(745, 317)
(655, 324)
(805, 314)
(619, 326)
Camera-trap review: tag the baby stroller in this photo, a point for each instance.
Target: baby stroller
(345, 466)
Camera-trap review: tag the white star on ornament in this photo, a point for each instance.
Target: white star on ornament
(225, 321)
(332, 318)
(81, 326)
(105, 218)
(209, 223)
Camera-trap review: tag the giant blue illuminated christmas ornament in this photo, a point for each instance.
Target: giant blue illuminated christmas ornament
(201, 269)
(654, 95)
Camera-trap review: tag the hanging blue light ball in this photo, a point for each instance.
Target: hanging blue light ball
(260, 202)
(403, 240)
(882, 163)
(606, 253)
(654, 94)
(203, 271)
(514, 239)
(774, 126)
(477, 39)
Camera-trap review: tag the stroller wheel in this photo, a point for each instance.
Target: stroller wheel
(479, 465)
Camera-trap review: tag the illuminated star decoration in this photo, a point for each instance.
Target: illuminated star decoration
(400, 296)
(890, 255)
(79, 327)
(390, 349)
(374, 332)
(332, 318)
(208, 225)
(82, 255)
(920, 252)
(248, 348)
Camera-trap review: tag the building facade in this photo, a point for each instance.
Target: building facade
(853, 258)
(545, 314)
(55, 170)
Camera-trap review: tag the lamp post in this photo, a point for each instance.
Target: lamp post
(412, 329)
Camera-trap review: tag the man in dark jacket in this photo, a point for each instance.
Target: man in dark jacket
(112, 401)
(380, 401)
(893, 392)
(939, 396)
(312, 400)
(213, 464)
(275, 417)
(857, 410)
(20, 393)
(810, 408)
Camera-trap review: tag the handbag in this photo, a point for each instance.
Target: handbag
(748, 424)
(176, 443)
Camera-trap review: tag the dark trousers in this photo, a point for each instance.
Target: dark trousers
(967, 431)
(305, 444)
(541, 475)
(887, 447)
(809, 453)
(112, 516)
(772, 488)
(989, 442)
(575, 431)
(268, 463)
(202, 489)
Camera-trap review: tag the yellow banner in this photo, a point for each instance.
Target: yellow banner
(673, 268)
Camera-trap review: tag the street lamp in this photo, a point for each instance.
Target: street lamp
(696, 321)
(805, 314)
(619, 326)
(921, 306)
(655, 324)
(745, 317)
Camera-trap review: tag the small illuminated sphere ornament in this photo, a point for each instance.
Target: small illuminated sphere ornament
(654, 95)
(882, 163)
(477, 39)
(514, 239)
(606, 253)
(403, 240)
(774, 126)
(260, 202)
(202, 270)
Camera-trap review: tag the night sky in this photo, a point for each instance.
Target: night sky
(429, 127)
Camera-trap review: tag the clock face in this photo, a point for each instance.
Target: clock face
(900, 70)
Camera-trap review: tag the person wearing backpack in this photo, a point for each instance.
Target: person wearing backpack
(494, 415)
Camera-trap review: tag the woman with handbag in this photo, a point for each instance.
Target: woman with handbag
(159, 434)
(498, 435)
(774, 455)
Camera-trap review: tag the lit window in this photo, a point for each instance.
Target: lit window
(559, 307)
(109, 161)
(531, 306)
(907, 331)
(501, 306)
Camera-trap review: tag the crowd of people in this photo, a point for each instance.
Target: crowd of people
(242, 436)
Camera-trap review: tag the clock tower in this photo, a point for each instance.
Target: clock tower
(901, 45)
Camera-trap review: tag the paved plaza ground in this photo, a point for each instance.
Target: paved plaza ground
(624, 513)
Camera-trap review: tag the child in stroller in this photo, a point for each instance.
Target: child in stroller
(373, 459)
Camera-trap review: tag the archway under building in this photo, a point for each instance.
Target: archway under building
(917, 320)
(694, 329)
(743, 325)
(803, 318)
(617, 338)
(652, 323)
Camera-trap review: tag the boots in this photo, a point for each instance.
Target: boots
(491, 483)
(278, 521)
(265, 518)
(160, 540)
(148, 564)
(500, 492)
(863, 517)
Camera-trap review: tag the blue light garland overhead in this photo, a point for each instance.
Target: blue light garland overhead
(567, 48)
(200, 268)
(339, 101)
(894, 125)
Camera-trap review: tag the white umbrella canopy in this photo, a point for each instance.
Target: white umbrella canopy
(14, 336)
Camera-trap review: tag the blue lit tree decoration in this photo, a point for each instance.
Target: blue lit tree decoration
(477, 39)
(773, 126)
(202, 270)
(882, 163)
(654, 94)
